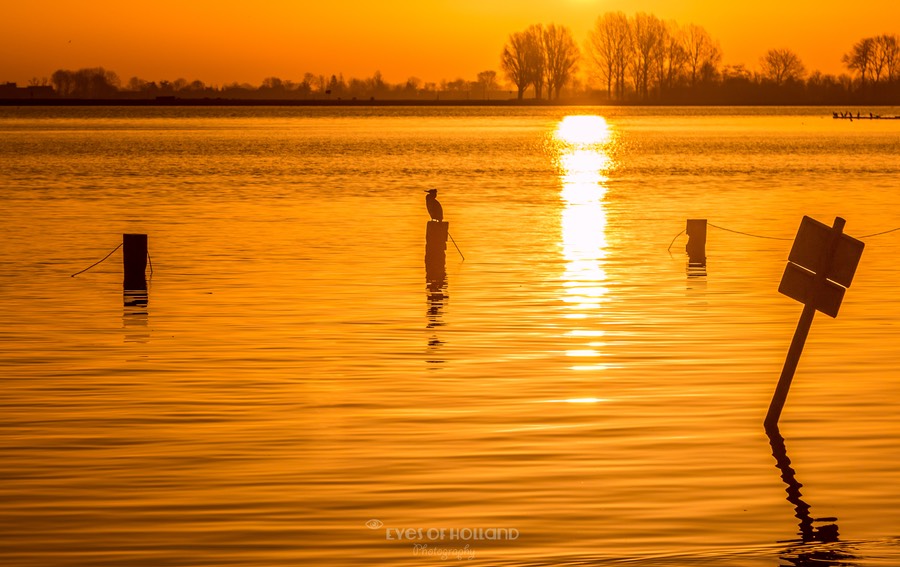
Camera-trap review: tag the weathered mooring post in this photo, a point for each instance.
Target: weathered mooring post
(134, 260)
(696, 244)
(436, 242)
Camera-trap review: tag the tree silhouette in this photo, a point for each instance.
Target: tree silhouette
(672, 58)
(654, 56)
(703, 52)
(515, 61)
(781, 66)
(873, 58)
(860, 58)
(890, 47)
(638, 59)
(412, 86)
(540, 57)
(608, 48)
(536, 58)
(647, 40)
(561, 55)
(95, 83)
(488, 82)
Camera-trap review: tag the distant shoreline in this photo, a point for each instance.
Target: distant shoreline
(275, 102)
(362, 103)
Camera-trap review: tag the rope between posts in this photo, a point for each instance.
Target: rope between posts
(771, 237)
(747, 233)
(880, 233)
(97, 263)
(674, 239)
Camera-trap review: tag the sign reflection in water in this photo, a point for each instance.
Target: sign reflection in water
(581, 144)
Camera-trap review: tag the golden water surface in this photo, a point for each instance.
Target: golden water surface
(297, 390)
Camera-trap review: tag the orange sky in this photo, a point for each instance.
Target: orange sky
(243, 41)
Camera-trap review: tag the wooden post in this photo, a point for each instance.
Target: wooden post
(134, 258)
(790, 366)
(802, 331)
(436, 233)
(696, 244)
(436, 241)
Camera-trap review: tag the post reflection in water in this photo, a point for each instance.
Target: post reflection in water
(696, 248)
(436, 287)
(135, 299)
(695, 270)
(819, 543)
(581, 144)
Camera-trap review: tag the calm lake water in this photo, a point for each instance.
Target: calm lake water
(297, 389)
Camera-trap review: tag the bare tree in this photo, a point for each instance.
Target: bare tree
(515, 61)
(135, 84)
(306, 85)
(488, 82)
(86, 83)
(335, 86)
(609, 46)
(459, 85)
(673, 57)
(702, 52)
(560, 58)
(63, 82)
(874, 58)
(781, 66)
(356, 87)
(860, 58)
(375, 84)
(647, 42)
(879, 59)
(884, 60)
(411, 88)
(540, 57)
(536, 58)
(891, 46)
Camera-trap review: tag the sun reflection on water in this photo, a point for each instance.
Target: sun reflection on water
(581, 144)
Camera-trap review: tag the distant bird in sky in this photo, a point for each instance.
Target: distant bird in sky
(434, 206)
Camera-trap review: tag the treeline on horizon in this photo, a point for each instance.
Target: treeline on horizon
(637, 59)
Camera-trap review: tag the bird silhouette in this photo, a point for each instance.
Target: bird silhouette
(434, 206)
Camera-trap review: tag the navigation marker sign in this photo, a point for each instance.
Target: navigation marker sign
(814, 256)
(820, 268)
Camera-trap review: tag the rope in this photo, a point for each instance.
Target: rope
(879, 233)
(101, 261)
(454, 243)
(747, 233)
(770, 237)
(669, 249)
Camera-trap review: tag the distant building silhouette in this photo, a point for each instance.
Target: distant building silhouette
(12, 90)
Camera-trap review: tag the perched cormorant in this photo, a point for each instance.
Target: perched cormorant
(434, 207)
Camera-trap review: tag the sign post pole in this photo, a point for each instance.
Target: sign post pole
(790, 366)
